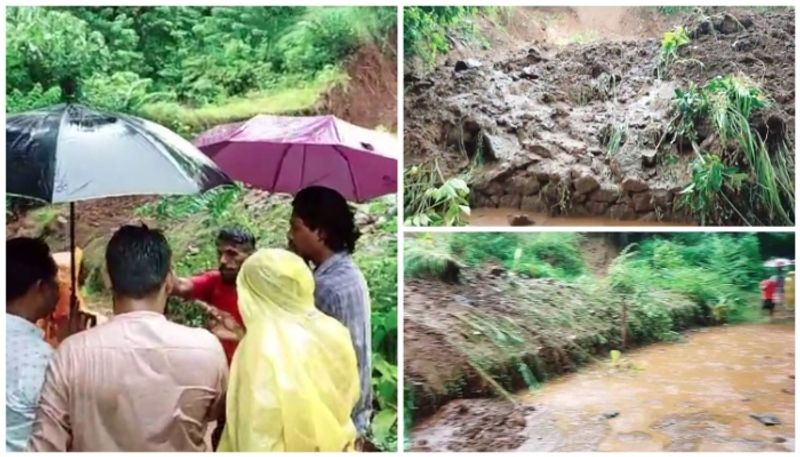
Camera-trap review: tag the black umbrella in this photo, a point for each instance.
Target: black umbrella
(68, 153)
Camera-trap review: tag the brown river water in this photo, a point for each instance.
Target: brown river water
(499, 217)
(693, 395)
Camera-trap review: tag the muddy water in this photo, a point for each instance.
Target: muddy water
(692, 396)
(695, 395)
(494, 217)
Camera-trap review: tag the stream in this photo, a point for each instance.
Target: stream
(694, 395)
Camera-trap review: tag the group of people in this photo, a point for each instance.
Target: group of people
(286, 365)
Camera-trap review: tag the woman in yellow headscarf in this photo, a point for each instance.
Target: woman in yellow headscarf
(294, 377)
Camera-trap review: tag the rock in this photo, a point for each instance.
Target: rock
(791, 376)
(611, 414)
(481, 200)
(510, 201)
(538, 149)
(529, 73)
(766, 419)
(586, 184)
(519, 220)
(606, 193)
(649, 157)
(661, 199)
(703, 28)
(525, 184)
(622, 212)
(467, 64)
(789, 391)
(463, 409)
(743, 45)
(634, 185)
(642, 202)
(533, 203)
(597, 208)
(779, 439)
(729, 24)
(496, 271)
(543, 176)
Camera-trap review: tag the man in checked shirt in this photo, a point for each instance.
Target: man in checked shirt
(323, 232)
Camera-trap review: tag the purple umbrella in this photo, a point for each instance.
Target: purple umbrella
(287, 154)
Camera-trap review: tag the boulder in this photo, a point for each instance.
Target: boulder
(467, 64)
(631, 184)
(586, 184)
(642, 202)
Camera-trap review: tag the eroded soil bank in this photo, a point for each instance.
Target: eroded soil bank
(583, 129)
(700, 394)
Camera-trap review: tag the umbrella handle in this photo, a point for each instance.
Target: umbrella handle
(74, 318)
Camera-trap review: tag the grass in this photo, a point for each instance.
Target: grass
(728, 103)
(616, 140)
(297, 98)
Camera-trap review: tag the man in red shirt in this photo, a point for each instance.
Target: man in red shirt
(218, 288)
(768, 288)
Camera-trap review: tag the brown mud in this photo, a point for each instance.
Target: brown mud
(493, 217)
(465, 340)
(695, 395)
(581, 129)
(369, 98)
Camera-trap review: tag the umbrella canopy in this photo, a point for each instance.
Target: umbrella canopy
(287, 154)
(69, 153)
(778, 263)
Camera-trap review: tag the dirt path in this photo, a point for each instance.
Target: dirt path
(697, 395)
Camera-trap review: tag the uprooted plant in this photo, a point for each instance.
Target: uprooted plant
(432, 200)
(727, 104)
(670, 43)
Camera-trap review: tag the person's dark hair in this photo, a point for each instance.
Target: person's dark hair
(238, 235)
(138, 260)
(324, 208)
(27, 260)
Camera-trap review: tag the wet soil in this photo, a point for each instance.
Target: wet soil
(369, 98)
(493, 217)
(471, 339)
(694, 395)
(582, 129)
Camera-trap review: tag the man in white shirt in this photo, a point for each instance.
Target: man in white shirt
(31, 294)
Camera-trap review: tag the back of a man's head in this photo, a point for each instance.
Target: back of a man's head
(28, 260)
(138, 261)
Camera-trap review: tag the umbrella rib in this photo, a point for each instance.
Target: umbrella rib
(159, 145)
(303, 167)
(352, 173)
(280, 165)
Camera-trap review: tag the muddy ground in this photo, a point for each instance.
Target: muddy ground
(541, 118)
(468, 339)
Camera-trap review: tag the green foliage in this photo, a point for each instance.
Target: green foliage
(728, 103)
(427, 29)
(673, 10)
(616, 140)
(430, 200)
(671, 42)
(719, 271)
(705, 196)
(427, 257)
(187, 67)
(548, 254)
